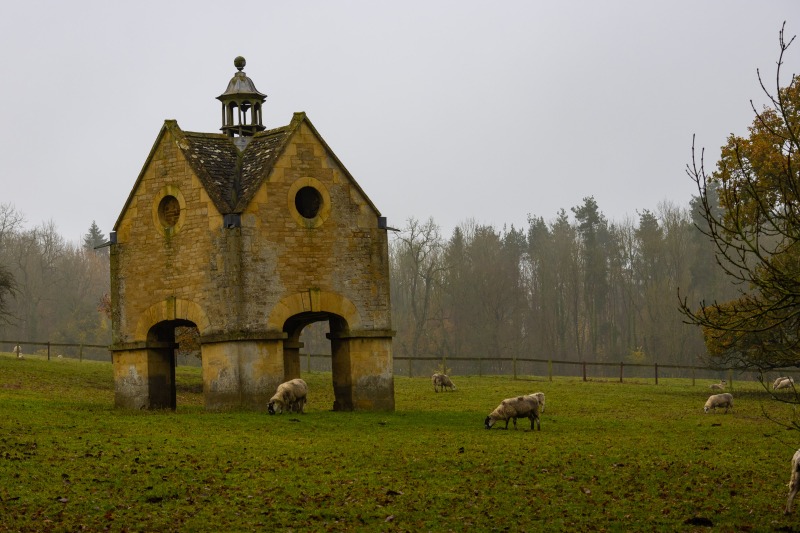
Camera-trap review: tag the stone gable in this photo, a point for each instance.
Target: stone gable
(250, 246)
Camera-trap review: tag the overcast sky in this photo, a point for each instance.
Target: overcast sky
(454, 110)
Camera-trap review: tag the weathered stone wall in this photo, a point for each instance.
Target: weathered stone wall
(346, 254)
(152, 265)
(240, 285)
(238, 275)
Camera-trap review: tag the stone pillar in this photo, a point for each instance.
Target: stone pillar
(144, 376)
(372, 374)
(130, 379)
(261, 365)
(342, 378)
(161, 377)
(241, 373)
(363, 374)
(291, 359)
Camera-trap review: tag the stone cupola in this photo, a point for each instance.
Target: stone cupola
(241, 105)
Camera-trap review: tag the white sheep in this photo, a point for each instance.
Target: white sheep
(794, 481)
(718, 386)
(719, 400)
(539, 396)
(513, 408)
(440, 381)
(784, 383)
(18, 351)
(778, 380)
(290, 396)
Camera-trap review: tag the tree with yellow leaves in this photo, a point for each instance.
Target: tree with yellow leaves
(755, 232)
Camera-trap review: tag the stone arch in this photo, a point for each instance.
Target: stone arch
(144, 372)
(361, 361)
(313, 301)
(171, 309)
(144, 369)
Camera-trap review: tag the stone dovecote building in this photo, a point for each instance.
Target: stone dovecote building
(249, 235)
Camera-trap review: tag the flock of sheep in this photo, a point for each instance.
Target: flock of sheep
(292, 395)
(726, 399)
(510, 409)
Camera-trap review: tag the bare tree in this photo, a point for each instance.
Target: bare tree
(419, 267)
(37, 255)
(755, 235)
(10, 221)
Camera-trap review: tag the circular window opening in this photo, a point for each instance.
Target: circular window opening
(308, 201)
(169, 211)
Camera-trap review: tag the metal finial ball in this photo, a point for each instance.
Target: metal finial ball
(239, 62)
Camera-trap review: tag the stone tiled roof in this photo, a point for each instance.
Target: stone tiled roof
(257, 161)
(230, 177)
(214, 159)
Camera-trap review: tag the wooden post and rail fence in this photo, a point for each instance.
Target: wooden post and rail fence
(426, 365)
(49, 346)
(584, 368)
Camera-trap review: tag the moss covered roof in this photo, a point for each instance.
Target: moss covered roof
(230, 176)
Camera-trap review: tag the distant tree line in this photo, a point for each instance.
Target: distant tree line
(51, 289)
(716, 283)
(572, 288)
(590, 290)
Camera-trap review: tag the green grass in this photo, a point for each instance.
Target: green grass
(610, 457)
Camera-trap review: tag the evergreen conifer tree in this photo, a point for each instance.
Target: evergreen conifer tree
(94, 238)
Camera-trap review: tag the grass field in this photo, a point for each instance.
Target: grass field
(609, 457)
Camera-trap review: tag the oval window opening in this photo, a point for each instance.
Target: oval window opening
(169, 211)
(308, 202)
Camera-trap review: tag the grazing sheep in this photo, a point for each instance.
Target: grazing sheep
(778, 380)
(290, 396)
(539, 396)
(18, 351)
(440, 381)
(785, 383)
(719, 400)
(513, 408)
(718, 386)
(794, 481)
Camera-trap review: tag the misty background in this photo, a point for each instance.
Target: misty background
(532, 154)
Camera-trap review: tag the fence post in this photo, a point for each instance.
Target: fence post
(584, 370)
(550, 369)
(409, 367)
(48, 350)
(656, 373)
(730, 378)
(621, 365)
(80, 353)
(514, 363)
